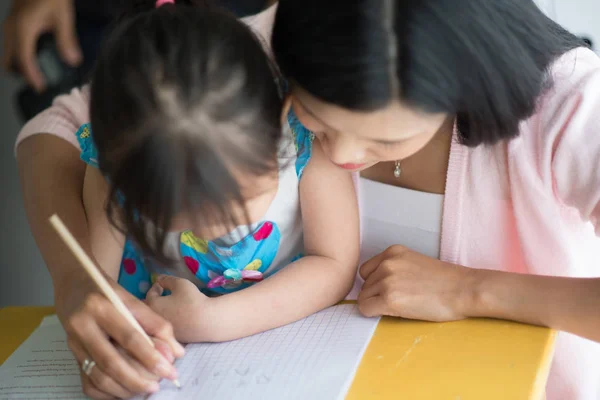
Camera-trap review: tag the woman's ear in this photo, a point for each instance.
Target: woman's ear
(287, 105)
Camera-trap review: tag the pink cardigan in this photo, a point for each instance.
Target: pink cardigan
(531, 205)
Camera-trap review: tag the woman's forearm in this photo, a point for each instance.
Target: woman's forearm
(51, 175)
(566, 304)
(301, 289)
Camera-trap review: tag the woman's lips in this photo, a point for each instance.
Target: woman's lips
(351, 167)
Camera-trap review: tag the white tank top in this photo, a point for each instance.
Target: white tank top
(391, 215)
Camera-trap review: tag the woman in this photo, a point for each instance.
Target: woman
(495, 107)
(401, 88)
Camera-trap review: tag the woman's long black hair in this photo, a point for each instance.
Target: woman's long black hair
(484, 61)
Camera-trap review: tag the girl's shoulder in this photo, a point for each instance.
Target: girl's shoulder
(298, 140)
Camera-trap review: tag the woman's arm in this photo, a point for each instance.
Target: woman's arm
(565, 304)
(403, 283)
(320, 279)
(107, 242)
(52, 176)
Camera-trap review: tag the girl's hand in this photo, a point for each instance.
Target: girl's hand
(91, 321)
(186, 307)
(402, 283)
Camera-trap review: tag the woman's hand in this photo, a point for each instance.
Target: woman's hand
(96, 331)
(27, 21)
(187, 308)
(402, 283)
(88, 384)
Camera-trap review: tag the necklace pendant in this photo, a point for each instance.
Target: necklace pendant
(397, 170)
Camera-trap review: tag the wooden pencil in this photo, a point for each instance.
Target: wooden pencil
(89, 266)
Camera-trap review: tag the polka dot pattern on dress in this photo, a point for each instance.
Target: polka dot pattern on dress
(144, 287)
(192, 264)
(199, 245)
(254, 265)
(264, 232)
(224, 252)
(129, 266)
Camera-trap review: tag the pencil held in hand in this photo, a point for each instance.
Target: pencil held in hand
(87, 263)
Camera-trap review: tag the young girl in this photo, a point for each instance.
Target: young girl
(186, 143)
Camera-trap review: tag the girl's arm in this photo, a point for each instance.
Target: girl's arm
(321, 279)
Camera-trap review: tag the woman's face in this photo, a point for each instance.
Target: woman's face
(356, 140)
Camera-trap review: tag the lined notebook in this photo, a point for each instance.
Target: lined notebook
(315, 358)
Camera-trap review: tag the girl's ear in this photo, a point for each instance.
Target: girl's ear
(287, 105)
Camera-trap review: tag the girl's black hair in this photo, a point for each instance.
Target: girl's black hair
(180, 95)
(484, 61)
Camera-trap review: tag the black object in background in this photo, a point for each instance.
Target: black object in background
(93, 18)
(588, 41)
(243, 8)
(60, 77)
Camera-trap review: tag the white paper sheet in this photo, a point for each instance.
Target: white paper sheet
(315, 358)
(42, 368)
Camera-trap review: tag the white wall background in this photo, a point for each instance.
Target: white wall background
(581, 17)
(23, 277)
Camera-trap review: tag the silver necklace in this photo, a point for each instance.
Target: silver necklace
(397, 170)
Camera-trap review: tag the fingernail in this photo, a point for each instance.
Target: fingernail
(153, 387)
(170, 357)
(180, 349)
(166, 370)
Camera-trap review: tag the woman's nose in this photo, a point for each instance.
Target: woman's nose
(341, 149)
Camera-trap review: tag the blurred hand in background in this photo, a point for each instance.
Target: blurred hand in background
(27, 21)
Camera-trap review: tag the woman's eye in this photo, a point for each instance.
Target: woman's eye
(388, 145)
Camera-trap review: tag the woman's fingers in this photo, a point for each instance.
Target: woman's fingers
(90, 390)
(371, 265)
(371, 306)
(126, 336)
(99, 330)
(97, 385)
(116, 367)
(165, 349)
(369, 291)
(137, 366)
(96, 344)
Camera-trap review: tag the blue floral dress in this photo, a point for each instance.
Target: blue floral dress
(235, 261)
